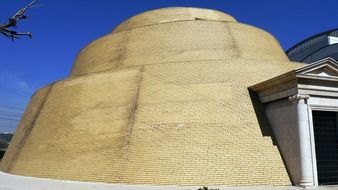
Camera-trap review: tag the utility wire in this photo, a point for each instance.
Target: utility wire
(11, 107)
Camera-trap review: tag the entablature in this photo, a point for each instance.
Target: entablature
(317, 79)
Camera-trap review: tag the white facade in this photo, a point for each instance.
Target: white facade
(290, 100)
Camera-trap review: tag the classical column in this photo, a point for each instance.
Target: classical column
(306, 170)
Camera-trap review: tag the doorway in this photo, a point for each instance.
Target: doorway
(326, 145)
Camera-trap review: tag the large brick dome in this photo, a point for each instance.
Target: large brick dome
(177, 34)
(163, 99)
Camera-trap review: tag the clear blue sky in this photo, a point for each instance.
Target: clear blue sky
(62, 27)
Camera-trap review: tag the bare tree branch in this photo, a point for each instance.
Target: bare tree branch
(6, 29)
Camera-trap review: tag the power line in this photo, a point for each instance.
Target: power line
(11, 126)
(8, 124)
(8, 127)
(9, 119)
(10, 110)
(11, 107)
(10, 114)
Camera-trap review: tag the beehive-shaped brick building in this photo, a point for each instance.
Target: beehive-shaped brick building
(162, 99)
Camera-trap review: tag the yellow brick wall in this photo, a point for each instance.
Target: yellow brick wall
(81, 128)
(176, 42)
(188, 123)
(24, 129)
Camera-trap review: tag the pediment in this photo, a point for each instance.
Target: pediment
(324, 71)
(327, 68)
(319, 79)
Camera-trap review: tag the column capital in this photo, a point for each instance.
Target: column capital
(298, 97)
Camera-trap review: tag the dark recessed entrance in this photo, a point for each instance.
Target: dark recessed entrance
(326, 143)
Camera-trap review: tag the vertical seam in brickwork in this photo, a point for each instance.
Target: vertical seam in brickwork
(132, 113)
(233, 40)
(135, 102)
(27, 132)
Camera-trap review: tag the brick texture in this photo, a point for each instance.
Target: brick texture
(164, 103)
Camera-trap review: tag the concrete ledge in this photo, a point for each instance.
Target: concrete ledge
(15, 182)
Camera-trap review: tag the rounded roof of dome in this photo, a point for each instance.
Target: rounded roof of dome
(173, 14)
(172, 35)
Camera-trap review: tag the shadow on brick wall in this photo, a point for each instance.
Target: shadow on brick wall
(264, 123)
